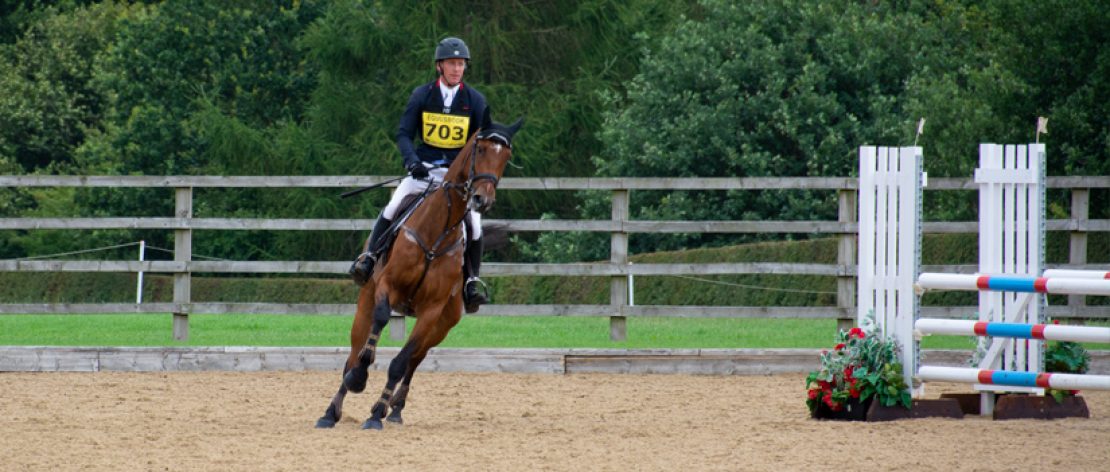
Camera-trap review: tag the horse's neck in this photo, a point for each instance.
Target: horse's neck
(429, 220)
(450, 197)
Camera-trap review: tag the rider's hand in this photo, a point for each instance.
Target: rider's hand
(418, 171)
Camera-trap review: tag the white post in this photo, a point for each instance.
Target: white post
(631, 287)
(139, 289)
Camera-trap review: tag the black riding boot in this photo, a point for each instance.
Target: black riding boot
(363, 267)
(472, 298)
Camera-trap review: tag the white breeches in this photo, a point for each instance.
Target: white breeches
(411, 186)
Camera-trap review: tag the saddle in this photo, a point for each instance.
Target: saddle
(408, 205)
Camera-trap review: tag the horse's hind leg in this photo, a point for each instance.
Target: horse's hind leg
(364, 347)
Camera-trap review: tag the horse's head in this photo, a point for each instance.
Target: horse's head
(491, 150)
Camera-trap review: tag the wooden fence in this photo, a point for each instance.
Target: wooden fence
(618, 268)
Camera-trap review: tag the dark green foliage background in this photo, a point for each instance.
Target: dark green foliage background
(645, 88)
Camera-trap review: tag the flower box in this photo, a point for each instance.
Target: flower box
(862, 368)
(852, 410)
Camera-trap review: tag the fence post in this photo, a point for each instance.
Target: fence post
(846, 258)
(1077, 243)
(182, 252)
(618, 255)
(396, 327)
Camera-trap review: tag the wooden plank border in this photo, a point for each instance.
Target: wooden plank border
(517, 361)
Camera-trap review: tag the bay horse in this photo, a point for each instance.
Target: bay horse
(421, 275)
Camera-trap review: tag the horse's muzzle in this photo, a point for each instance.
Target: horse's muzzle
(480, 203)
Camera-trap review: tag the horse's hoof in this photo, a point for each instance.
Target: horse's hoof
(355, 380)
(325, 422)
(395, 418)
(372, 424)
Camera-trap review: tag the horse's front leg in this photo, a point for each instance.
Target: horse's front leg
(397, 402)
(364, 335)
(397, 370)
(429, 331)
(334, 411)
(358, 364)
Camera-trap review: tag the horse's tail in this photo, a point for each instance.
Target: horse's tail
(495, 236)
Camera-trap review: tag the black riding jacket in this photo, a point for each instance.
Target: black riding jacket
(441, 130)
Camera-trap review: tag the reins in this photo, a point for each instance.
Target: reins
(463, 192)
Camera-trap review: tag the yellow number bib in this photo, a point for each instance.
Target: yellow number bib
(445, 131)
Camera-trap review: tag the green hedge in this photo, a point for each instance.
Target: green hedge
(736, 290)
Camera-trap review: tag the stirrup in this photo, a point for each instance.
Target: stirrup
(362, 268)
(472, 298)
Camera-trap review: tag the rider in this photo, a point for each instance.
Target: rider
(445, 113)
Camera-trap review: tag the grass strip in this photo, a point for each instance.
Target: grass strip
(472, 332)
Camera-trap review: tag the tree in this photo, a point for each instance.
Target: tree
(760, 89)
(49, 102)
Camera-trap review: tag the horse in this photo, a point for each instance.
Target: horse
(421, 275)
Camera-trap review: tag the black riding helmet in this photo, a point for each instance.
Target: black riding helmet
(451, 47)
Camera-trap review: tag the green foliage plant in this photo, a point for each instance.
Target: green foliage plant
(862, 365)
(1065, 357)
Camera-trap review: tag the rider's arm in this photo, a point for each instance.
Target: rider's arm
(409, 126)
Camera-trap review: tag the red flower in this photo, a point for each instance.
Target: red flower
(848, 372)
(857, 332)
(853, 392)
(813, 393)
(839, 346)
(1056, 322)
(1074, 392)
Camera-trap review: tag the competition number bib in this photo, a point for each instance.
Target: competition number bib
(445, 131)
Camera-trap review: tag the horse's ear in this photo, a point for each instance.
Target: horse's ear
(513, 128)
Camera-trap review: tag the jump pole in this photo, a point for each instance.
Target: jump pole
(1047, 332)
(973, 283)
(1077, 274)
(1015, 379)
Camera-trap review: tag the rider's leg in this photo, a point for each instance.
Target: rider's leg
(363, 267)
(472, 263)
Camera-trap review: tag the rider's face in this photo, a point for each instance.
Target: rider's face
(452, 70)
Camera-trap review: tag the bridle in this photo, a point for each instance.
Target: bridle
(474, 176)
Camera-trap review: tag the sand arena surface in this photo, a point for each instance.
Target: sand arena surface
(232, 421)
